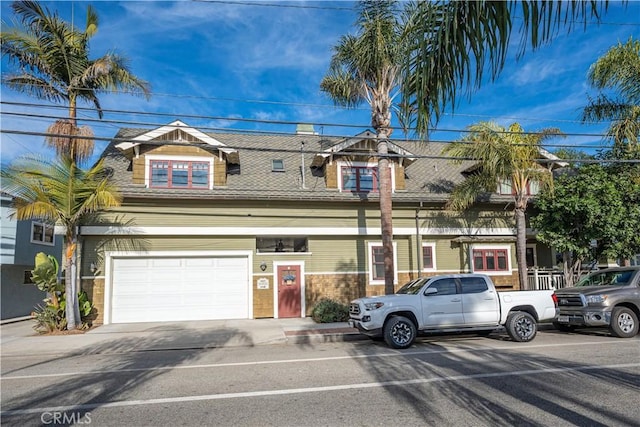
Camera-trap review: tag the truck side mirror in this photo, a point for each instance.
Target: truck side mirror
(431, 291)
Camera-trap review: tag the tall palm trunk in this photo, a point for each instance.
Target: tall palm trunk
(521, 246)
(72, 311)
(386, 209)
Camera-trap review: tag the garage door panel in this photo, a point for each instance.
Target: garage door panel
(179, 288)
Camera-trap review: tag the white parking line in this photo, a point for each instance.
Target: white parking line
(287, 361)
(253, 394)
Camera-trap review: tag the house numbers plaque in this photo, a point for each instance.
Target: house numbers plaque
(263, 283)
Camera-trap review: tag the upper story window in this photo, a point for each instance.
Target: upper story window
(360, 178)
(505, 188)
(166, 173)
(42, 233)
(490, 260)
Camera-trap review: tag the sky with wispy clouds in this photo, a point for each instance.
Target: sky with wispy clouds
(213, 64)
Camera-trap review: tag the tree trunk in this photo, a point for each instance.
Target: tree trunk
(71, 294)
(386, 212)
(521, 247)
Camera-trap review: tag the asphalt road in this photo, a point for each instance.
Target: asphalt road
(584, 379)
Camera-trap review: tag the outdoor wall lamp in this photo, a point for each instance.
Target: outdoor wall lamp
(263, 266)
(93, 267)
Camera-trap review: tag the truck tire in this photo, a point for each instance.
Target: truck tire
(521, 326)
(624, 323)
(399, 332)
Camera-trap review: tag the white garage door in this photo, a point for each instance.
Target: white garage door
(170, 289)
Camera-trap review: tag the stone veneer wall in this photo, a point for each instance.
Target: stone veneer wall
(94, 288)
(263, 298)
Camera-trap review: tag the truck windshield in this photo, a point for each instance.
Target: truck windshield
(608, 278)
(413, 287)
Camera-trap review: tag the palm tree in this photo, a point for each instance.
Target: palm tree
(423, 56)
(366, 68)
(59, 192)
(505, 156)
(53, 64)
(453, 44)
(618, 71)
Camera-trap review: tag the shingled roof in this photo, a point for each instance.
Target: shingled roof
(429, 177)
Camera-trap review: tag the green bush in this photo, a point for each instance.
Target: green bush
(328, 311)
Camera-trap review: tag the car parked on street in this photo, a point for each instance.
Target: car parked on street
(605, 298)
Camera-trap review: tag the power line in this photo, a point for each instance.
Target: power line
(265, 132)
(235, 119)
(298, 104)
(283, 150)
(355, 9)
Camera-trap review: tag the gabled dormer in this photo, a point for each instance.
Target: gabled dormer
(178, 156)
(351, 165)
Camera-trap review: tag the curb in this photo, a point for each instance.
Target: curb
(15, 320)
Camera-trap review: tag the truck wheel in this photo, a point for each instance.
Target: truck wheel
(562, 327)
(521, 326)
(399, 332)
(624, 322)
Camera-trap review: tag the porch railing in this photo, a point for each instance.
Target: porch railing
(545, 279)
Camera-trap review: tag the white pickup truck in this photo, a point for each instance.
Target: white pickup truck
(451, 303)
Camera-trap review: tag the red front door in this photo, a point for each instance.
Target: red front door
(289, 303)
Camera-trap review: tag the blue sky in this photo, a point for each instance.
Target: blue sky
(227, 61)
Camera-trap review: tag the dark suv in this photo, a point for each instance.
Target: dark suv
(609, 297)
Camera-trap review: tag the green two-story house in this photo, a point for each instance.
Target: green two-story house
(251, 225)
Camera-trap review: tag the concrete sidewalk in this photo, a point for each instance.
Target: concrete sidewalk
(19, 338)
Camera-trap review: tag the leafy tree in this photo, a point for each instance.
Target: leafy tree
(53, 63)
(57, 191)
(504, 155)
(423, 56)
(592, 204)
(616, 75)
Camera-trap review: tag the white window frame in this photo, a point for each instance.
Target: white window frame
(431, 245)
(370, 247)
(343, 163)
(506, 272)
(150, 157)
(44, 226)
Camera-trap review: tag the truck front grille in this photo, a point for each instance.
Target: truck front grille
(570, 301)
(354, 308)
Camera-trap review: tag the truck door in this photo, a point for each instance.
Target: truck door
(479, 303)
(442, 304)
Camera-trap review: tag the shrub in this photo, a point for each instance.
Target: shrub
(328, 311)
(49, 318)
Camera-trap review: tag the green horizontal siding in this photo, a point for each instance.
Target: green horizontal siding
(244, 214)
